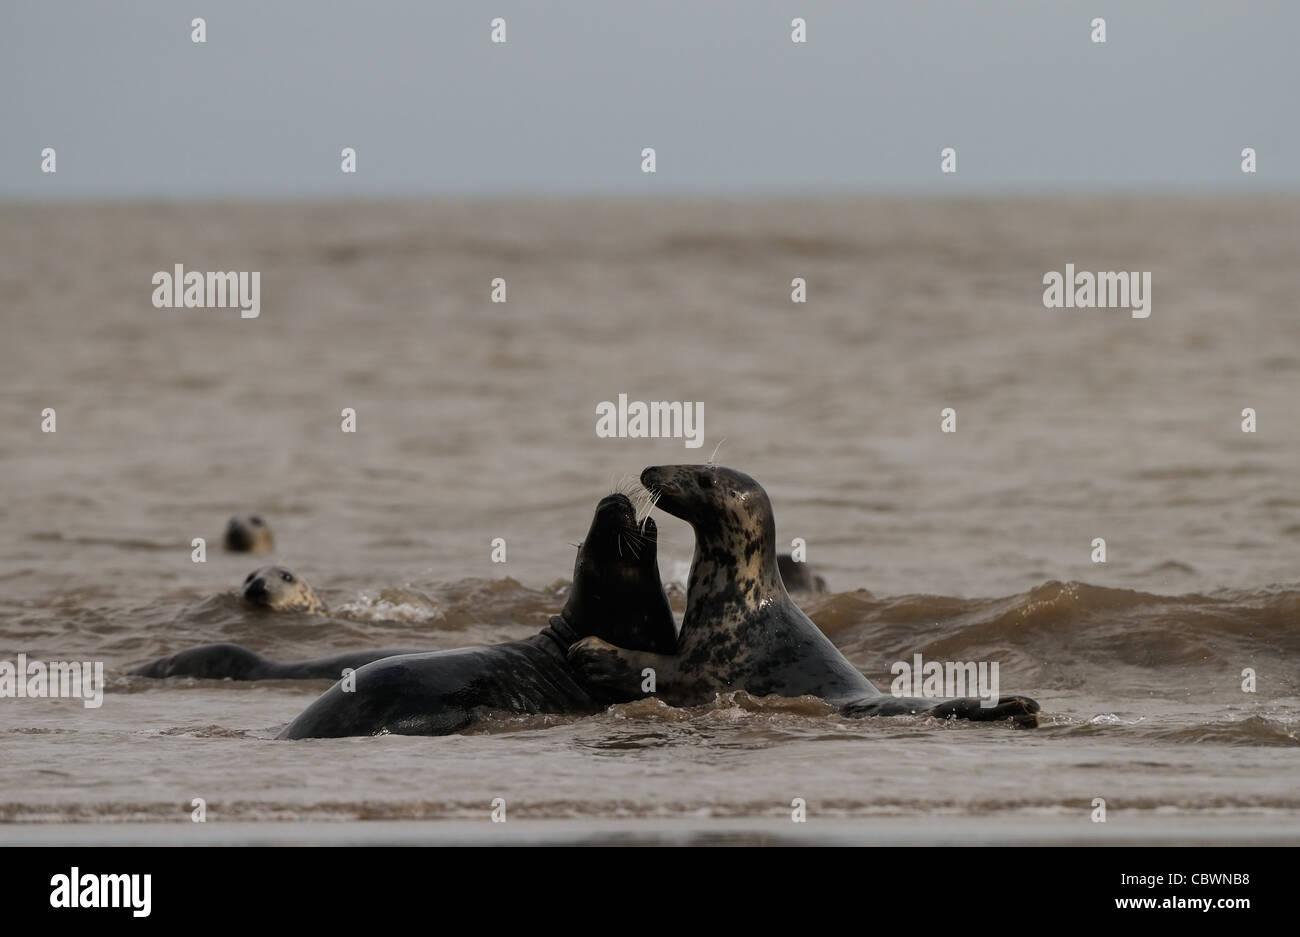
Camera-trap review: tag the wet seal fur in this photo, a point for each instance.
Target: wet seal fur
(742, 631)
(616, 593)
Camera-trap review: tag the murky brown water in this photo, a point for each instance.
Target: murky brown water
(476, 420)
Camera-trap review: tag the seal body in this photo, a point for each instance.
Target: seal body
(741, 630)
(233, 662)
(437, 692)
(616, 593)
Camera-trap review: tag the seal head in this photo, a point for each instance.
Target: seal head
(248, 533)
(616, 589)
(279, 590)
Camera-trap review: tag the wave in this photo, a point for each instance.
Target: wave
(1255, 731)
(1058, 635)
(1061, 627)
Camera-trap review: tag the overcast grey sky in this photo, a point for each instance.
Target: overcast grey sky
(731, 105)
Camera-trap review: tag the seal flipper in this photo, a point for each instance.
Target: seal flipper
(1020, 709)
(619, 672)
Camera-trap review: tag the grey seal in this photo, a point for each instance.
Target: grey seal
(616, 593)
(741, 630)
(277, 589)
(248, 533)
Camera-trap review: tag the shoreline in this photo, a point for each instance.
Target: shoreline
(887, 831)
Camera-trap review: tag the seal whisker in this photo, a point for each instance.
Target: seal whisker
(713, 459)
(637, 538)
(642, 503)
(654, 500)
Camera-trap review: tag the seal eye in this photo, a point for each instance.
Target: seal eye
(704, 480)
(255, 521)
(287, 577)
(249, 577)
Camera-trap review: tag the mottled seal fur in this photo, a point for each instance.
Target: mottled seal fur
(279, 590)
(616, 593)
(741, 630)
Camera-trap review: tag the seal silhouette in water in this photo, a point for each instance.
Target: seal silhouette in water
(616, 593)
(742, 631)
(273, 588)
(233, 662)
(248, 533)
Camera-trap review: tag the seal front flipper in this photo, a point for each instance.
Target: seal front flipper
(1020, 709)
(622, 674)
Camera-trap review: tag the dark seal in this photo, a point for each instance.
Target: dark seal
(616, 593)
(233, 662)
(742, 631)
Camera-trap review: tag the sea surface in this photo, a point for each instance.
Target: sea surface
(476, 420)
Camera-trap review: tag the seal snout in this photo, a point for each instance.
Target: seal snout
(675, 488)
(616, 524)
(617, 499)
(616, 509)
(652, 478)
(662, 482)
(255, 590)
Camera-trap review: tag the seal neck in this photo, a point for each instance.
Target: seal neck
(561, 634)
(733, 570)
